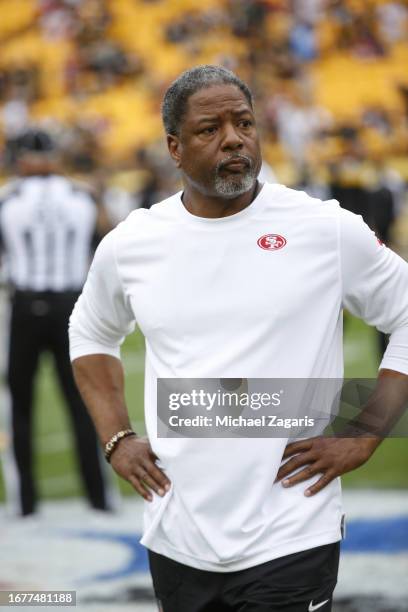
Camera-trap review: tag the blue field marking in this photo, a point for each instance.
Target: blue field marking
(388, 535)
(137, 554)
(381, 536)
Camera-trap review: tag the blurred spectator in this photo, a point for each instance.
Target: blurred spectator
(341, 14)
(22, 81)
(14, 118)
(348, 181)
(118, 201)
(193, 25)
(308, 11)
(299, 123)
(367, 187)
(247, 17)
(310, 182)
(366, 41)
(93, 20)
(386, 196)
(303, 41)
(377, 118)
(20, 87)
(57, 19)
(159, 177)
(80, 149)
(392, 20)
(357, 29)
(105, 60)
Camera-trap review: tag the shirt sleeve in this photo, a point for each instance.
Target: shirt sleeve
(102, 316)
(375, 286)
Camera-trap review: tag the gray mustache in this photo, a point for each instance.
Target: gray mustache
(225, 162)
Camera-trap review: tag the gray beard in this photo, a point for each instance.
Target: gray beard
(234, 185)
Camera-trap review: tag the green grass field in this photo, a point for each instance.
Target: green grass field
(55, 460)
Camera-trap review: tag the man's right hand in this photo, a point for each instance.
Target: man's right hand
(134, 460)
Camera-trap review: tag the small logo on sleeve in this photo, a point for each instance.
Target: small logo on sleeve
(271, 242)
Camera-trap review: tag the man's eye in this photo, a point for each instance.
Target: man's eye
(246, 123)
(208, 130)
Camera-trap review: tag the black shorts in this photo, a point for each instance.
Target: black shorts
(301, 582)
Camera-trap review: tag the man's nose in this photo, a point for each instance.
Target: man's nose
(231, 138)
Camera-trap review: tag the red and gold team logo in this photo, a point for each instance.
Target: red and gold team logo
(271, 242)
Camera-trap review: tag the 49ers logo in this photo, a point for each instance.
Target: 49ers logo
(271, 242)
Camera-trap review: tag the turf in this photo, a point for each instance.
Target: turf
(55, 458)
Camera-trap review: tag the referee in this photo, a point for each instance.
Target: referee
(47, 225)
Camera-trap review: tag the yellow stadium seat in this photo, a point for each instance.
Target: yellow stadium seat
(343, 84)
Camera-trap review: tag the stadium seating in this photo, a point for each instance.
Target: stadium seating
(129, 109)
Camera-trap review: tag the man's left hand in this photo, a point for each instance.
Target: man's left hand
(329, 457)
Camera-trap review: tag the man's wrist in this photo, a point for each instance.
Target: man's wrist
(114, 441)
(370, 442)
(368, 439)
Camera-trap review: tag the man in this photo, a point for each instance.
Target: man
(232, 279)
(47, 224)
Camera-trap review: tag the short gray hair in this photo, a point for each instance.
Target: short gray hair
(188, 83)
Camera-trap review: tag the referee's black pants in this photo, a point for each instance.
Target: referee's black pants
(39, 322)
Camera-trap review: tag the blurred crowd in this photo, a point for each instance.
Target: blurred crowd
(359, 156)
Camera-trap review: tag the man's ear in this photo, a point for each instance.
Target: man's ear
(174, 146)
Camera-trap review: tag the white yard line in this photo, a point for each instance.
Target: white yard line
(364, 504)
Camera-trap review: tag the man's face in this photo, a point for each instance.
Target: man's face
(218, 149)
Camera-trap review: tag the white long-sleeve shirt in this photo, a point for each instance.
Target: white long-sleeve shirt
(213, 300)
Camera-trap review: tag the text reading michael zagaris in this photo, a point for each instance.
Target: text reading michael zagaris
(271, 420)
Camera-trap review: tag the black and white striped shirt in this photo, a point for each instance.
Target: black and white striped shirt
(46, 230)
